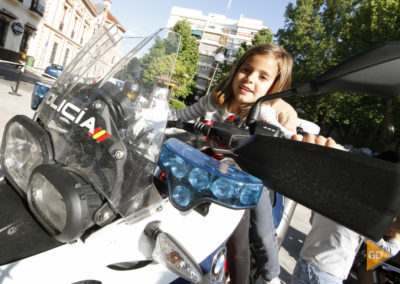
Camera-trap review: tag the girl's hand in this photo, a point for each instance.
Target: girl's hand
(393, 233)
(316, 139)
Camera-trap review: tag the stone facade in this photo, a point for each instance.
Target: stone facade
(56, 29)
(19, 21)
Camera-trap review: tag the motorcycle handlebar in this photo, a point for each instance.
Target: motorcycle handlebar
(192, 127)
(224, 133)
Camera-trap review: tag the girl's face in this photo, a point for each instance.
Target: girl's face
(254, 78)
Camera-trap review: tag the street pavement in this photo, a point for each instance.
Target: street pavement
(16, 98)
(12, 103)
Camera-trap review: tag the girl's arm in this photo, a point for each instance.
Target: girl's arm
(391, 246)
(205, 104)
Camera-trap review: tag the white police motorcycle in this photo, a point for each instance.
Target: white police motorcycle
(81, 200)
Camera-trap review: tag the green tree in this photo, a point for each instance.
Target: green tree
(304, 38)
(375, 22)
(187, 63)
(158, 62)
(319, 34)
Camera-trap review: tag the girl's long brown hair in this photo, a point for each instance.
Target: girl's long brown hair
(223, 93)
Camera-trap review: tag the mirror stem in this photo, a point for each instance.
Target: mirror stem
(306, 88)
(255, 109)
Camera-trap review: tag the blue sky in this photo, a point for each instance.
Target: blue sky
(143, 17)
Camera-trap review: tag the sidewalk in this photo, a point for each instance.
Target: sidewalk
(13, 104)
(297, 232)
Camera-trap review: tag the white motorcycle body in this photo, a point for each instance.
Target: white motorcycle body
(121, 242)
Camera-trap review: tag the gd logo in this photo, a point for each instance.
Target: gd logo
(375, 255)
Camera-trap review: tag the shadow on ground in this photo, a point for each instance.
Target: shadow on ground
(292, 244)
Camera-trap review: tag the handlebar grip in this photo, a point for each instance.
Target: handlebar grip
(192, 127)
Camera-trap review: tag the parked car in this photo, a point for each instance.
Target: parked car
(54, 70)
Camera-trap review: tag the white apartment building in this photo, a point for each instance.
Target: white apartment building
(216, 34)
(19, 20)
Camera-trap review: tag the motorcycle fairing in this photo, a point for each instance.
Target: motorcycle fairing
(21, 235)
(112, 137)
(121, 242)
(359, 192)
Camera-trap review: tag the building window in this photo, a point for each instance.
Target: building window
(204, 72)
(4, 24)
(207, 59)
(231, 52)
(66, 57)
(83, 34)
(38, 6)
(53, 52)
(24, 41)
(63, 19)
(73, 29)
(202, 83)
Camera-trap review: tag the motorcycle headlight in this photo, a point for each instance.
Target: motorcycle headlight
(25, 145)
(62, 202)
(193, 177)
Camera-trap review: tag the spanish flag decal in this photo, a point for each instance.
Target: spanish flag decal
(99, 134)
(375, 255)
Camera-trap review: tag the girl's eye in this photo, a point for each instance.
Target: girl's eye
(264, 78)
(245, 70)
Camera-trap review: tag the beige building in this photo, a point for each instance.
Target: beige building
(51, 31)
(216, 34)
(19, 21)
(66, 27)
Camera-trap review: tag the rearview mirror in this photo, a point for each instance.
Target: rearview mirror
(359, 192)
(375, 71)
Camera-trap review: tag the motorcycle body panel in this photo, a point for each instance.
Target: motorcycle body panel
(120, 242)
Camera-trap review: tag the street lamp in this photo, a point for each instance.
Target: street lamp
(219, 57)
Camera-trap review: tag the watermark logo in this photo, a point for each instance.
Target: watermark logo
(375, 255)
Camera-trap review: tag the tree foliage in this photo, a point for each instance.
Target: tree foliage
(321, 33)
(187, 63)
(158, 62)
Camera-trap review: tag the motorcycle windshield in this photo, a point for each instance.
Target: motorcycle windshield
(107, 112)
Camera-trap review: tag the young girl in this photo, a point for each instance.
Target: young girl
(262, 70)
